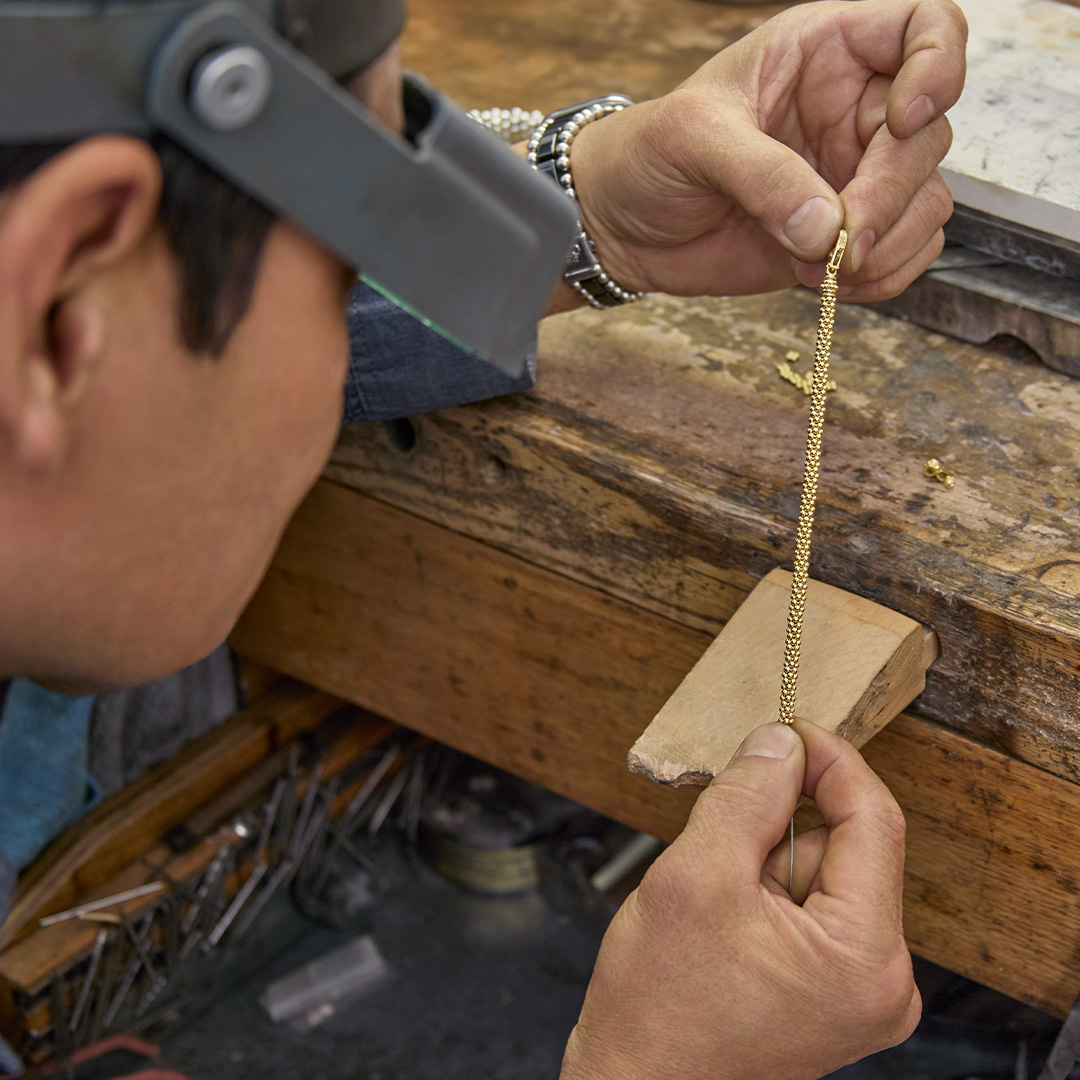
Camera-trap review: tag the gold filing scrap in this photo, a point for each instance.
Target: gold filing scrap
(936, 471)
(822, 348)
(805, 383)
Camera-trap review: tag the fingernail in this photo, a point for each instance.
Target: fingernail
(844, 291)
(814, 225)
(919, 113)
(861, 248)
(769, 741)
(810, 274)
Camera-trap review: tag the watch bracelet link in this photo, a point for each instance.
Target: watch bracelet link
(549, 153)
(511, 125)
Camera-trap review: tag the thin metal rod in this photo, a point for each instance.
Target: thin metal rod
(393, 791)
(239, 900)
(91, 975)
(97, 905)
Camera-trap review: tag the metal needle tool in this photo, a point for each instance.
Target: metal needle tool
(88, 981)
(99, 905)
(239, 900)
(344, 825)
(801, 570)
(110, 973)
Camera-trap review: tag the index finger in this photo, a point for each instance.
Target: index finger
(919, 42)
(889, 176)
(863, 864)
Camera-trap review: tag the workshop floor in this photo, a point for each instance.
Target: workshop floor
(479, 986)
(490, 987)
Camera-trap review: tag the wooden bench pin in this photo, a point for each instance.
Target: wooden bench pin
(861, 665)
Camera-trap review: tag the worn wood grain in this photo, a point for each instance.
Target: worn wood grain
(554, 680)
(29, 964)
(375, 618)
(990, 889)
(859, 666)
(544, 54)
(660, 459)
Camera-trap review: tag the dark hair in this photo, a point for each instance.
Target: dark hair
(215, 231)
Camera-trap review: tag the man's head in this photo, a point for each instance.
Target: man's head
(171, 354)
(171, 365)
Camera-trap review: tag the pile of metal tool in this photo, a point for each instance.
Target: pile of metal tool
(167, 894)
(127, 960)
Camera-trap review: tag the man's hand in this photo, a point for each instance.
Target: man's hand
(711, 971)
(831, 114)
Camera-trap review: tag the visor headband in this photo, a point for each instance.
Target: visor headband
(342, 36)
(99, 56)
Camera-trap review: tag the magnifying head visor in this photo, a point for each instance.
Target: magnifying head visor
(444, 218)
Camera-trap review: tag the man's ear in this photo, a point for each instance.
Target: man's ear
(73, 218)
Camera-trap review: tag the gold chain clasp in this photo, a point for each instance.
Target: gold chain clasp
(838, 252)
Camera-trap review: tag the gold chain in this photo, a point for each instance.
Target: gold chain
(801, 576)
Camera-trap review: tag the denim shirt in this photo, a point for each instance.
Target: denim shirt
(399, 367)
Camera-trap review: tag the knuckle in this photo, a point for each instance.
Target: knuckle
(892, 824)
(941, 202)
(891, 1004)
(766, 192)
(685, 108)
(936, 246)
(894, 192)
(894, 283)
(883, 996)
(958, 16)
(939, 136)
(911, 1017)
(745, 791)
(702, 871)
(676, 127)
(885, 289)
(946, 130)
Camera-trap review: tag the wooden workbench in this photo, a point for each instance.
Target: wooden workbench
(529, 578)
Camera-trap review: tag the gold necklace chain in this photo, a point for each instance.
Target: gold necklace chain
(801, 576)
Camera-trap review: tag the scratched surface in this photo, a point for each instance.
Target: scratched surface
(660, 460)
(554, 680)
(544, 54)
(993, 564)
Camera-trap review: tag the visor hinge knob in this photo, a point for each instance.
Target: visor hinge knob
(230, 87)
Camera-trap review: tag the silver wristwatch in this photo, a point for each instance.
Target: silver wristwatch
(549, 153)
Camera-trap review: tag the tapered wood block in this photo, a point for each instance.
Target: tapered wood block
(861, 665)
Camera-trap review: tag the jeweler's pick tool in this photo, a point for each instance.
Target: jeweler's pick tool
(801, 575)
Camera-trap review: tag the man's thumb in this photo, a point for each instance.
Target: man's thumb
(772, 741)
(776, 187)
(748, 806)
